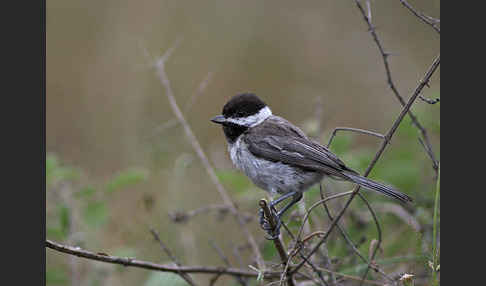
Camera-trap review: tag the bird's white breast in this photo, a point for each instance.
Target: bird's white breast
(274, 177)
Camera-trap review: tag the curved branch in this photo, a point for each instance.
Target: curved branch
(125, 261)
(388, 136)
(164, 79)
(426, 19)
(391, 83)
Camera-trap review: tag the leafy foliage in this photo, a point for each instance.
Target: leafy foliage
(125, 179)
(73, 199)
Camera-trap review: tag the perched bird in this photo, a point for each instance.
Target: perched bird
(279, 158)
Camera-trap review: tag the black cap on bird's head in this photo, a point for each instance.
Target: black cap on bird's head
(243, 105)
(241, 112)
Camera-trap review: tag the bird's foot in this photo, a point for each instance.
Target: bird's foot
(273, 232)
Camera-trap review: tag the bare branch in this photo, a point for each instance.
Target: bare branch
(173, 122)
(398, 211)
(160, 67)
(132, 262)
(307, 214)
(277, 242)
(429, 101)
(390, 81)
(221, 209)
(362, 131)
(385, 142)
(226, 261)
(424, 18)
(435, 163)
(343, 232)
(198, 93)
(349, 241)
(352, 277)
(214, 279)
(184, 276)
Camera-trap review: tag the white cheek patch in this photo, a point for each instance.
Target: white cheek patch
(253, 120)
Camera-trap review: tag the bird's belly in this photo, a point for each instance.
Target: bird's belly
(274, 177)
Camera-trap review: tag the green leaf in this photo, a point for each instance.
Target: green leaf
(95, 214)
(126, 179)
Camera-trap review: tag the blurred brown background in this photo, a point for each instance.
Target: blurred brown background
(105, 104)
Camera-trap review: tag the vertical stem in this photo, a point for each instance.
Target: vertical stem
(277, 242)
(434, 243)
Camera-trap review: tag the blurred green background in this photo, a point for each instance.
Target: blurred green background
(115, 167)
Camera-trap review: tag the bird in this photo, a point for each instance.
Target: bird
(280, 158)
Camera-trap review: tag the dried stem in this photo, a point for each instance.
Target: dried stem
(362, 131)
(226, 261)
(167, 251)
(385, 142)
(390, 81)
(221, 209)
(424, 18)
(277, 242)
(160, 67)
(132, 262)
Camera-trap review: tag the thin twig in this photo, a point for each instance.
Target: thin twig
(160, 67)
(385, 55)
(435, 163)
(213, 279)
(299, 235)
(198, 93)
(221, 209)
(417, 91)
(385, 143)
(276, 242)
(435, 254)
(390, 81)
(173, 122)
(424, 18)
(225, 260)
(126, 261)
(346, 236)
(343, 232)
(132, 262)
(352, 277)
(357, 130)
(428, 100)
(167, 251)
(371, 262)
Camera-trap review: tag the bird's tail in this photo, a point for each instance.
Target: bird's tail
(378, 187)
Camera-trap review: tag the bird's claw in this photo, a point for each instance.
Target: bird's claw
(273, 233)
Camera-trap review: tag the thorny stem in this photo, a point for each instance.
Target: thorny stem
(391, 83)
(385, 142)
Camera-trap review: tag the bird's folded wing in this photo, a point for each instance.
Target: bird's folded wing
(296, 151)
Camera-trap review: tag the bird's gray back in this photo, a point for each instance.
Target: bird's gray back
(274, 177)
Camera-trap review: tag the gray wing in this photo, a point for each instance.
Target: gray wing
(287, 144)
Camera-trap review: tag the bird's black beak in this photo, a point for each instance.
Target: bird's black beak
(219, 119)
